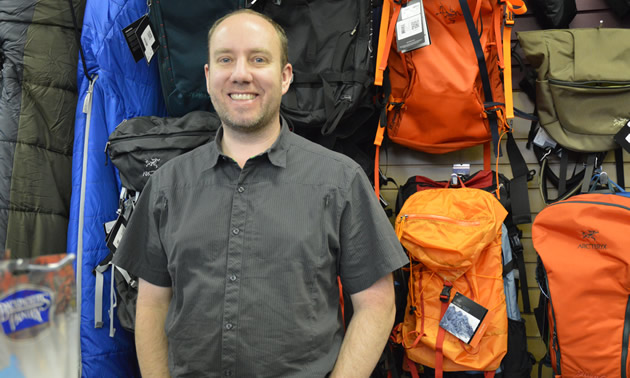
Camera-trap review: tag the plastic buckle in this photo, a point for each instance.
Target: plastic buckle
(445, 295)
(515, 242)
(509, 18)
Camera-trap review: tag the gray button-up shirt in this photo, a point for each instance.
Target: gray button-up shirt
(253, 254)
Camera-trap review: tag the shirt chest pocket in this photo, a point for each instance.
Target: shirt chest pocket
(299, 227)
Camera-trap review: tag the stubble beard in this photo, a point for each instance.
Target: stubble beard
(247, 127)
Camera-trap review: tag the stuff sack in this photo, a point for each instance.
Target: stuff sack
(453, 238)
(583, 243)
(582, 84)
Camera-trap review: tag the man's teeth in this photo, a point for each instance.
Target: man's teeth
(242, 96)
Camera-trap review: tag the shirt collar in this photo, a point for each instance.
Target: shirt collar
(277, 153)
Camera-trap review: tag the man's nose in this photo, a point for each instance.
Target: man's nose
(242, 71)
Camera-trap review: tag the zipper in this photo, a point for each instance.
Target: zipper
(136, 137)
(592, 203)
(625, 341)
(593, 84)
(183, 133)
(440, 218)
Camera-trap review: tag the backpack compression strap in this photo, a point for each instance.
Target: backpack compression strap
(445, 297)
(386, 35)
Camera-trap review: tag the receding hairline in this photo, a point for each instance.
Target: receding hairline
(282, 37)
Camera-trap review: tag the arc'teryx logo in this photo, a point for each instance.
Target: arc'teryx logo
(590, 234)
(449, 13)
(151, 163)
(589, 237)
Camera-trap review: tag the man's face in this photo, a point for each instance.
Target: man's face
(245, 77)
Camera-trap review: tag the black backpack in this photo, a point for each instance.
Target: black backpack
(331, 48)
(138, 147)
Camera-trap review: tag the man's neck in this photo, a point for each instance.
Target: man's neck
(242, 146)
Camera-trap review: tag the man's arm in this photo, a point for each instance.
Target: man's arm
(368, 331)
(151, 344)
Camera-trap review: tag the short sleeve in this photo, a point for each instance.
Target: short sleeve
(368, 243)
(140, 251)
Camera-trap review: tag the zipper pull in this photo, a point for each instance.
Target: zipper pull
(354, 31)
(106, 149)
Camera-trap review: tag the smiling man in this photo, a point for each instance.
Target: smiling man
(238, 244)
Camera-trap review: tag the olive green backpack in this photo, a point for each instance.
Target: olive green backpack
(582, 95)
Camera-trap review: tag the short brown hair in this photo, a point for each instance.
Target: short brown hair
(282, 36)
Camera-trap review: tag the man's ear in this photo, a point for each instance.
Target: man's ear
(287, 77)
(206, 70)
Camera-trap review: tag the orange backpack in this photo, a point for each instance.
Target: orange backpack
(456, 92)
(453, 237)
(449, 95)
(585, 277)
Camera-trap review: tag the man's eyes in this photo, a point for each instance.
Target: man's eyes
(255, 60)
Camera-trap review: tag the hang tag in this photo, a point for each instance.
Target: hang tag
(141, 39)
(116, 233)
(543, 140)
(411, 27)
(464, 319)
(623, 137)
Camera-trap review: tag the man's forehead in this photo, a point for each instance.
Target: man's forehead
(244, 22)
(253, 33)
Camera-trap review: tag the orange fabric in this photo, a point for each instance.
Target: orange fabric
(583, 244)
(439, 344)
(378, 141)
(453, 235)
(390, 36)
(382, 36)
(341, 302)
(440, 84)
(507, 73)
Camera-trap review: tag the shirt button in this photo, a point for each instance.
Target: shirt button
(236, 231)
(228, 326)
(240, 189)
(232, 277)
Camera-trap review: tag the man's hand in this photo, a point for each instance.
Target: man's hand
(368, 331)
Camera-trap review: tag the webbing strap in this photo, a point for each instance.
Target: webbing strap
(507, 62)
(621, 181)
(483, 71)
(341, 303)
(112, 304)
(130, 281)
(487, 157)
(562, 176)
(588, 172)
(378, 141)
(521, 213)
(413, 369)
(98, 295)
(445, 297)
(382, 37)
(390, 37)
(439, 343)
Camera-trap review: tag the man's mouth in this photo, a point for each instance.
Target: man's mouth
(242, 96)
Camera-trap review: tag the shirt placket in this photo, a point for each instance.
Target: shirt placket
(233, 275)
